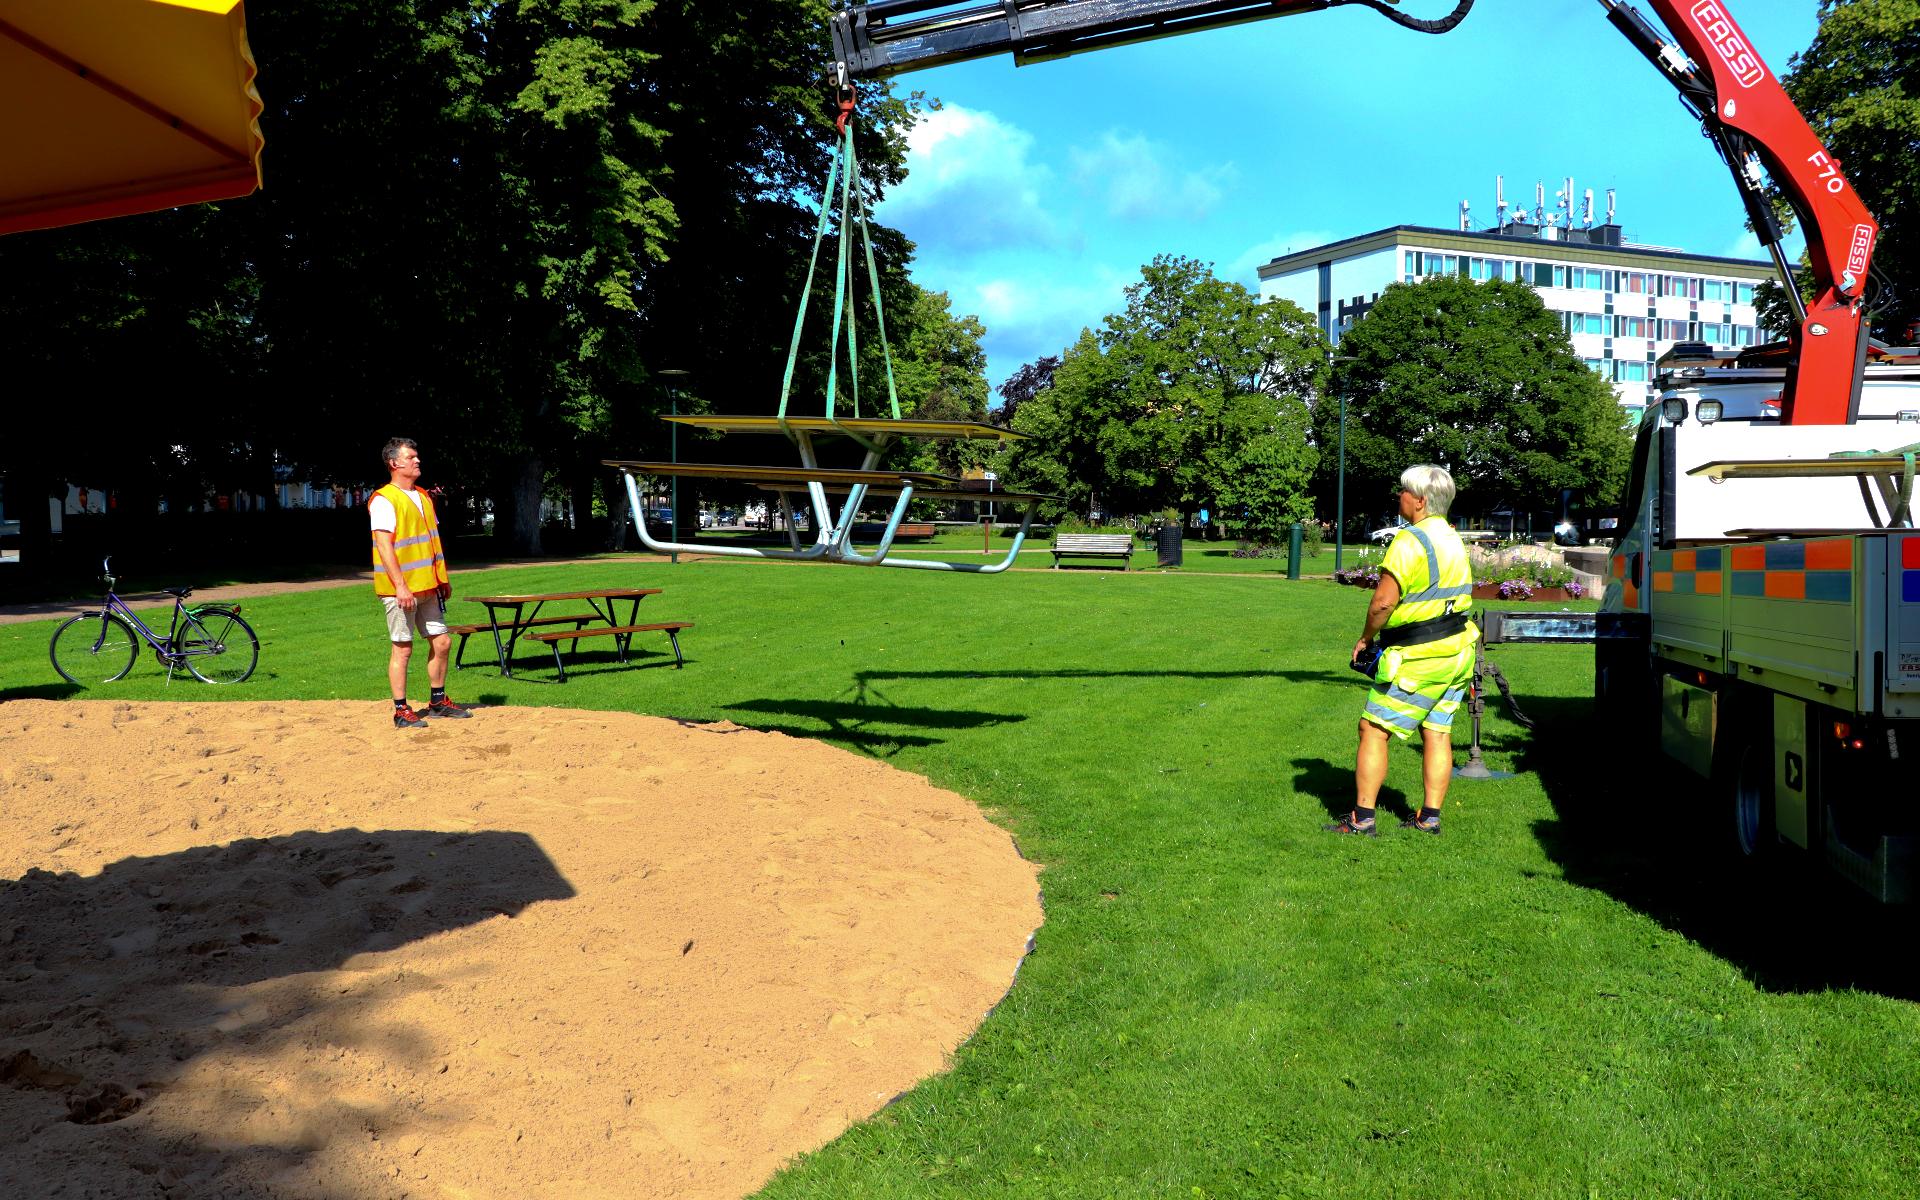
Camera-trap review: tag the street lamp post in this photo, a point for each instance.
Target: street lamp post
(671, 375)
(1340, 491)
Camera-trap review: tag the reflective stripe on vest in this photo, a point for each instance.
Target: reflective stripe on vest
(416, 545)
(1441, 592)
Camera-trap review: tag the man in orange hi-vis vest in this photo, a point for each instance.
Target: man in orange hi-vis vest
(410, 577)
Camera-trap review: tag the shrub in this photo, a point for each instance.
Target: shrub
(1502, 567)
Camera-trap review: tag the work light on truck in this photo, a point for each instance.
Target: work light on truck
(1708, 411)
(1674, 409)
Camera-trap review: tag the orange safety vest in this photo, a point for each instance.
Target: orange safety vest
(416, 543)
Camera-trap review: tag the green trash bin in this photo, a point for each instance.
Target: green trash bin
(1167, 542)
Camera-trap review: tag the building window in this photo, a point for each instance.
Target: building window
(1636, 281)
(1409, 265)
(1743, 293)
(1629, 372)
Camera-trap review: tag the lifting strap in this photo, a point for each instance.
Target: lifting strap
(853, 213)
(1897, 497)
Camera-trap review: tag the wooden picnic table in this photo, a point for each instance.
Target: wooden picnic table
(521, 619)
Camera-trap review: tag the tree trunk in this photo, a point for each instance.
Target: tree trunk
(619, 512)
(516, 510)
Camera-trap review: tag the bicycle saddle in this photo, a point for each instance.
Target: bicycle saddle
(182, 592)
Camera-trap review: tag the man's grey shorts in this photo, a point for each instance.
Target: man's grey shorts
(427, 618)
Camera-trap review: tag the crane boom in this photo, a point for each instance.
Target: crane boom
(1742, 108)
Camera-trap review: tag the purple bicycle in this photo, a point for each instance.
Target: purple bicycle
(209, 640)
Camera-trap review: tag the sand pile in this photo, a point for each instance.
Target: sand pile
(283, 950)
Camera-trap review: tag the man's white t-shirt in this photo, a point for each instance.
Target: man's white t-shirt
(381, 508)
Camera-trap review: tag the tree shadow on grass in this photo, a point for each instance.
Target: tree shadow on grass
(1641, 829)
(116, 982)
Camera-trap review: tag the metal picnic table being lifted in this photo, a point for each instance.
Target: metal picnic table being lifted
(837, 496)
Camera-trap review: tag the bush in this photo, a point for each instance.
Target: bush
(1248, 549)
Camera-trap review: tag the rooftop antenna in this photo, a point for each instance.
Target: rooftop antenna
(1586, 221)
(1500, 198)
(1609, 206)
(1539, 203)
(1466, 222)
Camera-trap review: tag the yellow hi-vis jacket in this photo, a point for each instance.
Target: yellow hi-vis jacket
(416, 543)
(1436, 580)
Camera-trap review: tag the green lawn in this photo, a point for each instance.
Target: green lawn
(1557, 998)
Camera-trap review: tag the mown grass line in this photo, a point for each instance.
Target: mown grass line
(1558, 997)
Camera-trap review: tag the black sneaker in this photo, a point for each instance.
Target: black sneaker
(447, 708)
(1423, 826)
(1346, 825)
(406, 718)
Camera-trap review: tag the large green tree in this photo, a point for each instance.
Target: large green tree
(483, 225)
(1479, 378)
(1198, 399)
(1859, 86)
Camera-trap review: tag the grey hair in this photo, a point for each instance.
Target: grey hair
(1432, 484)
(394, 446)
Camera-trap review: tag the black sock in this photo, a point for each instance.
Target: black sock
(1429, 816)
(439, 696)
(1361, 815)
(400, 703)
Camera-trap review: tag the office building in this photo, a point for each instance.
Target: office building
(1622, 305)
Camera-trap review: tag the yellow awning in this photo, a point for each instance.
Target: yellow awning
(113, 107)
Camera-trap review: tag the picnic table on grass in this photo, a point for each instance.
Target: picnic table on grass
(508, 617)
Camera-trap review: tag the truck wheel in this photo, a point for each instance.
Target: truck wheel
(1746, 791)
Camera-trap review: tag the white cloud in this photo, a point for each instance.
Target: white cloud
(1245, 267)
(971, 183)
(1138, 184)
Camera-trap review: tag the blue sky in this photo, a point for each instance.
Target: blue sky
(1037, 193)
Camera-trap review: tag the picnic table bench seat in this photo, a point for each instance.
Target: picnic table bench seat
(467, 631)
(621, 634)
(1093, 545)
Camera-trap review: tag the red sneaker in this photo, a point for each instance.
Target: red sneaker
(406, 718)
(447, 708)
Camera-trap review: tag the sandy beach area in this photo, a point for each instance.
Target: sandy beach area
(282, 950)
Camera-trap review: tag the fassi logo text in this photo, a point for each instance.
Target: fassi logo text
(1725, 37)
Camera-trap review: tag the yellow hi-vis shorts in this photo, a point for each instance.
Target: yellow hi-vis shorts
(1420, 693)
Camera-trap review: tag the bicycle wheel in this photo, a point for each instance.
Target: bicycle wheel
(92, 648)
(216, 645)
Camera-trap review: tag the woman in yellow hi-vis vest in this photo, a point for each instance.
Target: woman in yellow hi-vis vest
(1421, 615)
(410, 577)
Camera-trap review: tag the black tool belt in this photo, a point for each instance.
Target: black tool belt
(1431, 630)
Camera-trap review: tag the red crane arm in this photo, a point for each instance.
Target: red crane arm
(1752, 112)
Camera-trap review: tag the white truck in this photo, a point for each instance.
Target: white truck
(1762, 622)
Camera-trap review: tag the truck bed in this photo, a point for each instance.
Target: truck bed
(1835, 620)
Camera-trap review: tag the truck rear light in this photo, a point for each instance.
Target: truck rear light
(1842, 731)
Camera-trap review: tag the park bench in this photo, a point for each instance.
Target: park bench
(622, 636)
(909, 531)
(1093, 545)
(467, 631)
